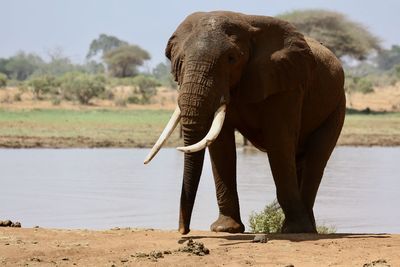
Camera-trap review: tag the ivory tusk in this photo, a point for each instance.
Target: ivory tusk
(169, 128)
(212, 134)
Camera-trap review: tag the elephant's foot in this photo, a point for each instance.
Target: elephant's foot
(183, 229)
(227, 224)
(298, 226)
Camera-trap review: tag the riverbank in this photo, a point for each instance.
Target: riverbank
(140, 247)
(93, 127)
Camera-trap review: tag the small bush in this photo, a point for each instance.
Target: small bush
(364, 86)
(147, 87)
(82, 87)
(133, 99)
(270, 220)
(325, 230)
(359, 84)
(3, 80)
(41, 85)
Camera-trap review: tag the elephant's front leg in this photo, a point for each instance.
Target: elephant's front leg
(223, 160)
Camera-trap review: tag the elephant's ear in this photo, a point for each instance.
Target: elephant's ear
(171, 54)
(174, 51)
(280, 60)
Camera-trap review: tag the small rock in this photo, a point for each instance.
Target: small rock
(289, 265)
(124, 260)
(260, 239)
(167, 252)
(156, 254)
(65, 259)
(36, 226)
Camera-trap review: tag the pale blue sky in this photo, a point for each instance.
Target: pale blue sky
(42, 25)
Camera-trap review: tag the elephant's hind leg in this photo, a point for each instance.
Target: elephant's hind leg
(318, 150)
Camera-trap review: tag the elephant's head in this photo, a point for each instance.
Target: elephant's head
(218, 56)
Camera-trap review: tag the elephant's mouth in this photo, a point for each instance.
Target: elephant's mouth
(212, 134)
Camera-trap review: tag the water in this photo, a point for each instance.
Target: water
(105, 188)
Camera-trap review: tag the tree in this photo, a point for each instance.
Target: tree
(3, 63)
(341, 35)
(162, 72)
(58, 65)
(104, 44)
(94, 67)
(22, 65)
(123, 61)
(387, 59)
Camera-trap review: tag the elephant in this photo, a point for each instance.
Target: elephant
(282, 91)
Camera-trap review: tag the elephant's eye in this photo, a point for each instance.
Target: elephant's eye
(231, 59)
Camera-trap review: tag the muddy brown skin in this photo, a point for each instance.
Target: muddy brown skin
(284, 93)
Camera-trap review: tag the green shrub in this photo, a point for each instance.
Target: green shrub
(365, 86)
(270, 220)
(359, 84)
(147, 86)
(41, 85)
(3, 80)
(82, 87)
(133, 99)
(325, 230)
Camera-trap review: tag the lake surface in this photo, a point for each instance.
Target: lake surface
(105, 188)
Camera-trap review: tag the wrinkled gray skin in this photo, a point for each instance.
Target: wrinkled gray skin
(283, 92)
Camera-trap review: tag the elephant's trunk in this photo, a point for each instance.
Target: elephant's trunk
(193, 166)
(198, 102)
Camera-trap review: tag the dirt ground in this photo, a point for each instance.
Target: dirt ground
(141, 247)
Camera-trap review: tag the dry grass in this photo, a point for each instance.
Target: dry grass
(32, 123)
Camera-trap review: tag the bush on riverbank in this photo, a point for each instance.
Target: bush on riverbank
(270, 221)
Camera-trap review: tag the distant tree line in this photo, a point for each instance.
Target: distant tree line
(111, 62)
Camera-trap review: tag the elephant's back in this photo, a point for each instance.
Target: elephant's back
(326, 88)
(329, 68)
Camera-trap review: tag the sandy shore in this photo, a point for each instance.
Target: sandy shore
(135, 247)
